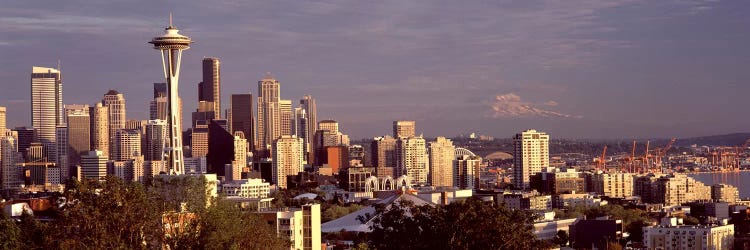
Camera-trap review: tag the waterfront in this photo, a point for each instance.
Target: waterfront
(736, 179)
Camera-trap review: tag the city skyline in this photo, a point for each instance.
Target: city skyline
(597, 69)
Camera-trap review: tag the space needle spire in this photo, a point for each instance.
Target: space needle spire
(171, 44)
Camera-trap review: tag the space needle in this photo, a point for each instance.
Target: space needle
(171, 45)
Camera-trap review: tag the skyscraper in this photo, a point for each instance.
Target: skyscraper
(288, 159)
(79, 132)
(269, 115)
(156, 136)
(10, 176)
(411, 155)
(99, 128)
(530, 155)
(442, 154)
(3, 125)
(128, 144)
(383, 152)
(115, 103)
(311, 110)
(46, 103)
(286, 116)
(241, 116)
(171, 45)
(300, 129)
(402, 129)
(158, 106)
(62, 160)
(466, 171)
(220, 147)
(209, 90)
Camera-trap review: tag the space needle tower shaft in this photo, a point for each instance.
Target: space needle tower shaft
(171, 44)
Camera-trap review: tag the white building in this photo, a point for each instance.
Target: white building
(46, 103)
(247, 188)
(442, 154)
(530, 155)
(412, 160)
(672, 235)
(618, 185)
(288, 159)
(10, 174)
(127, 144)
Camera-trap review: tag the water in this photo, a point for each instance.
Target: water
(741, 180)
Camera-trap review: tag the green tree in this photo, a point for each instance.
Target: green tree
(10, 234)
(471, 224)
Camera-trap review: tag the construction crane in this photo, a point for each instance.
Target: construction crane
(632, 158)
(601, 165)
(645, 158)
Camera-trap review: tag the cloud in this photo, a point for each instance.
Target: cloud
(511, 105)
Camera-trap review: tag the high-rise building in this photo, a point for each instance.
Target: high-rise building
(286, 116)
(46, 103)
(301, 226)
(308, 104)
(337, 158)
(269, 115)
(288, 159)
(156, 136)
(241, 116)
(329, 125)
(442, 154)
(220, 147)
(402, 129)
(3, 125)
(99, 128)
(209, 90)
(158, 106)
(199, 141)
(79, 131)
(10, 175)
(466, 171)
(171, 45)
(94, 165)
(127, 144)
(115, 103)
(327, 135)
(299, 127)
(62, 160)
(383, 150)
(530, 155)
(240, 155)
(24, 137)
(411, 155)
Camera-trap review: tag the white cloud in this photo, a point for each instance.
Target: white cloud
(511, 105)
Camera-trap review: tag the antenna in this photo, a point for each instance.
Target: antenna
(170, 19)
(59, 68)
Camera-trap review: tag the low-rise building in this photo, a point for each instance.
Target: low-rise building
(247, 188)
(596, 233)
(671, 234)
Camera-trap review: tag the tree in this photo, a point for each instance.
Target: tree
(10, 234)
(561, 238)
(471, 224)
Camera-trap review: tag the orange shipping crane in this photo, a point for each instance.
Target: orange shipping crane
(663, 152)
(601, 165)
(632, 158)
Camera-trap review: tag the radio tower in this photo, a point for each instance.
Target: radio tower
(171, 45)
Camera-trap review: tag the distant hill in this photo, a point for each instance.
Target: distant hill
(735, 139)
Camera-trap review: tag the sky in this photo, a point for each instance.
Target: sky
(571, 68)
